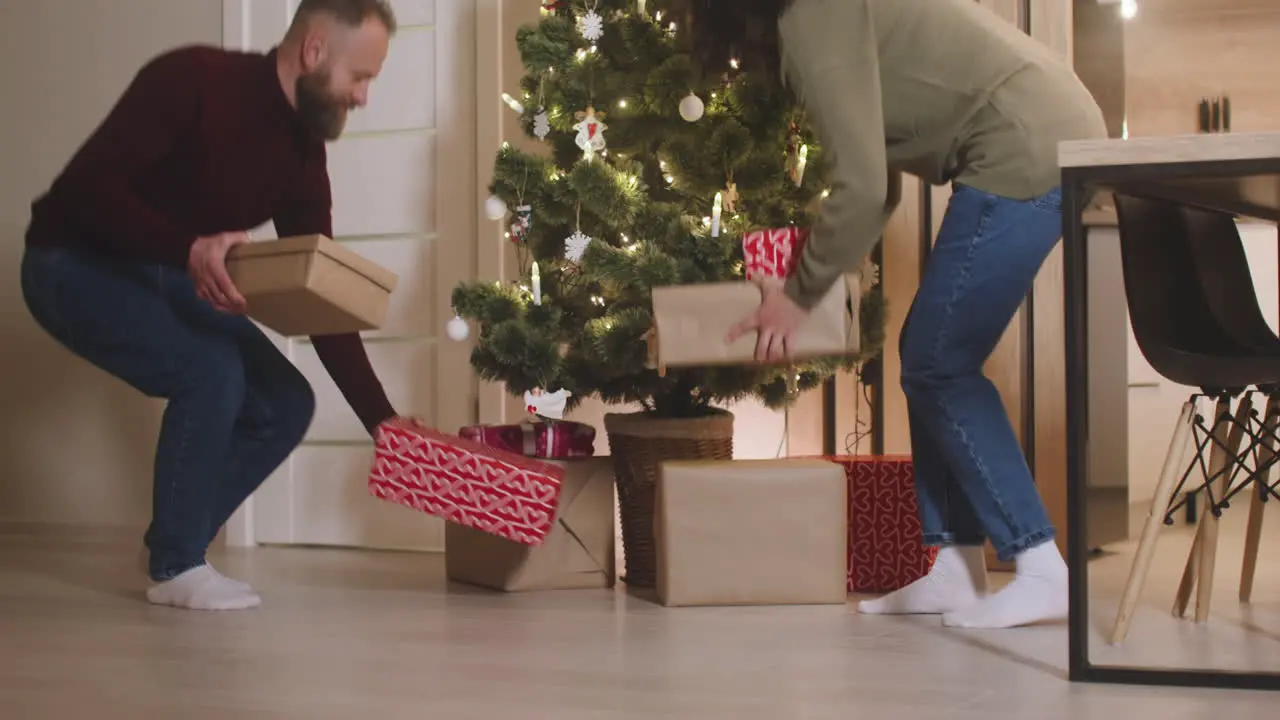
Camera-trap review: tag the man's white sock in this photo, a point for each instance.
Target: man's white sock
(144, 564)
(203, 588)
(958, 578)
(1037, 594)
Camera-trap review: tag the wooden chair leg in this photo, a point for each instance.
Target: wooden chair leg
(1209, 547)
(1188, 583)
(1222, 431)
(1257, 504)
(1155, 518)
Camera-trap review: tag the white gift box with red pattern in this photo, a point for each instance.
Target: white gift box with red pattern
(773, 252)
(464, 482)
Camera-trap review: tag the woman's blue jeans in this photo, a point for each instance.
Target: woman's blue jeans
(972, 479)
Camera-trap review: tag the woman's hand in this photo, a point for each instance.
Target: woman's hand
(776, 321)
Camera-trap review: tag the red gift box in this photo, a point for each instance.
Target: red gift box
(464, 482)
(772, 253)
(564, 440)
(886, 548)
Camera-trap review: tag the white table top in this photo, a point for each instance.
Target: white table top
(1202, 147)
(1256, 195)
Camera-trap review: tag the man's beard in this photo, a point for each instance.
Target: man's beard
(323, 114)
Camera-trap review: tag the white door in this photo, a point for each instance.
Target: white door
(403, 180)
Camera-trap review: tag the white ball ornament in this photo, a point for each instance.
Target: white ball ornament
(691, 108)
(494, 208)
(458, 329)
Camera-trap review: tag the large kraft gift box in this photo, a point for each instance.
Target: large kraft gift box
(751, 532)
(690, 323)
(886, 549)
(463, 482)
(310, 285)
(577, 553)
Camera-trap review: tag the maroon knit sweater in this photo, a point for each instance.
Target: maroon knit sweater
(203, 141)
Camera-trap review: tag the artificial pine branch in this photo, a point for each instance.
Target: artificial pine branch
(645, 202)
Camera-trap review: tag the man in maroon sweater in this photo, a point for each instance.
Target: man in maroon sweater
(125, 266)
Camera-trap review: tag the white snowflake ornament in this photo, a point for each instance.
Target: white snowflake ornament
(591, 25)
(575, 246)
(541, 124)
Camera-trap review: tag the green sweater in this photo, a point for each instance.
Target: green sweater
(941, 89)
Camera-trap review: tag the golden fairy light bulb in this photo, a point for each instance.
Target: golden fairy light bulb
(622, 103)
(733, 63)
(582, 55)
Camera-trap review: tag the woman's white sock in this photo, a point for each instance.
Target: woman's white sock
(1037, 594)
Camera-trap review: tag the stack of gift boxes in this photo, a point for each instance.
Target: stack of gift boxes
(529, 507)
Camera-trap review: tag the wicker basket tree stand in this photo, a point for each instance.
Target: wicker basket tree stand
(639, 444)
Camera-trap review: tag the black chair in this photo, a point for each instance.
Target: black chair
(1180, 329)
(1220, 255)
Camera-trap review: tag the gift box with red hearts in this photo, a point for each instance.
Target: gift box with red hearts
(772, 252)
(562, 440)
(465, 482)
(886, 548)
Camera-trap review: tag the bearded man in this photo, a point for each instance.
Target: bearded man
(125, 266)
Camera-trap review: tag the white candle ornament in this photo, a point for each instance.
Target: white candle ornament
(715, 216)
(537, 285)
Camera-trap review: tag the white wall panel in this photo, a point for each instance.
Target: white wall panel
(404, 95)
(412, 307)
(414, 12)
(383, 185)
(337, 508)
(405, 369)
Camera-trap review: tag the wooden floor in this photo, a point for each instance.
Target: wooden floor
(355, 635)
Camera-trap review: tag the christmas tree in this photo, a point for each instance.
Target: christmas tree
(652, 173)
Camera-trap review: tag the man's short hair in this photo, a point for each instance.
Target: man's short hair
(352, 13)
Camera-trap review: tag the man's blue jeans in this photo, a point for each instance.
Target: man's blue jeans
(236, 406)
(971, 477)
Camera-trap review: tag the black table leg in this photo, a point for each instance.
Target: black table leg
(1074, 299)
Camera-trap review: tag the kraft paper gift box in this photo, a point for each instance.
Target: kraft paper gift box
(751, 532)
(577, 553)
(464, 482)
(310, 285)
(690, 323)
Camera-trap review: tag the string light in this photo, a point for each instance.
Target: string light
(597, 301)
(622, 103)
(733, 63)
